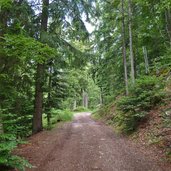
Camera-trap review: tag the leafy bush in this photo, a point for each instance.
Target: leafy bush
(58, 116)
(61, 115)
(7, 143)
(144, 95)
(20, 126)
(81, 109)
(13, 129)
(163, 64)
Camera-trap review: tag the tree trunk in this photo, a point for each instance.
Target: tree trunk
(168, 24)
(101, 99)
(3, 22)
(75, 104)
(3, 29)
(37, 117)
(146, 60)
(1, 125)
(49, 96)
(83, 98)
(124, 48)
(86, 100)
(131, 43)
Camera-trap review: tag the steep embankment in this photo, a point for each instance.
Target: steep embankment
(156, 132)
(153, 133)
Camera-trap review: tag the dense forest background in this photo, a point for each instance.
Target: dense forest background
(50, 64)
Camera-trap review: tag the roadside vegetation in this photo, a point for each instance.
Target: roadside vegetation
(133, 69)
(57, 116)
(143, 115)
(57, 58)
(43, 69)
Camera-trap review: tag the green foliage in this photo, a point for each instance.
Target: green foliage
(21, 51)
(18, 55)
(20, 126)
(14, 128)
(163, 64)
(76, 81)
(57, 115)
(144, 95)
(81, 109)
(93, 94)
(7, 143)
(128, 122)
(5, 4)
(108, 63)
(96, 115)
(26, 48)
(61, 115)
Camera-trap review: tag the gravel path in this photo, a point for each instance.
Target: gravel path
(86, 145)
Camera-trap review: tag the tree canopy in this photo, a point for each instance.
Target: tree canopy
(50, 61)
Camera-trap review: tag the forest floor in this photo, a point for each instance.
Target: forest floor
(87, 145)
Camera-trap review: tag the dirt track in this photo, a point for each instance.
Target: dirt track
(86, 145)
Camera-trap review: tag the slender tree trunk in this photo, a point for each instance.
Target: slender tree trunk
(3, 29)
(131, 43)
(3, 23)
(83, 98)
(168, 24)
(37, 117)
(146, 59)
(101, 99)
(1, 124)
(49, 96)
(86, 100)
(124, 48)
(75, 104)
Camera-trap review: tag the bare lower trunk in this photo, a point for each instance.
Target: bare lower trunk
(146, 60)
(101, 99)
(168, 23)
(124, 49)
(49, 97)
(131, 43)
(1, 126)
(3, 23)
(85, 99)
(75, 105)
(37, 117)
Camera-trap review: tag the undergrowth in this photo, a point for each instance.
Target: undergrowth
(11, 135)
(130, 111)
(8, 143)
(57, 115)
(81, 109)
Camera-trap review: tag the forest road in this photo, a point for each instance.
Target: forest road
(86, 145)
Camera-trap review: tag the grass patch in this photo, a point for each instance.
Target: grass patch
(56, 117)
(81, 109)
(96, 116)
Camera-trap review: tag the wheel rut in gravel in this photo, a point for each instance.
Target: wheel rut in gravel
(87, 145)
